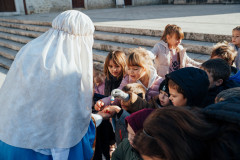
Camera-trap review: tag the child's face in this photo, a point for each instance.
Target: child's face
(173, 41)
(114, 69)
(135, 73)
(163, 98)
(131, 134)
(211, 81)
(177, 98)
(236, 37)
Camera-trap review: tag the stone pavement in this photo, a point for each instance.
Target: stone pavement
(212, 19)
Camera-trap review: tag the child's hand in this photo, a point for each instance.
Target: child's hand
(99, 105)
(104, 115)
(118, 93)
(112, 110)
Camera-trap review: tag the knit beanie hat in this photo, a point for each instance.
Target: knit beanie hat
(136, 119)
(194, 83)
(164, 87)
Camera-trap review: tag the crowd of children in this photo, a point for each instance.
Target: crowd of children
(175, 87)
(170, 107)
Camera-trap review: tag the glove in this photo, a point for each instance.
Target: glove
(117, 93)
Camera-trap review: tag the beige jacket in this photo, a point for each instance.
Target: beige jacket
(161, 52)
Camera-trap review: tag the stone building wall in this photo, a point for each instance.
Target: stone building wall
(46, 6)
(91, 4)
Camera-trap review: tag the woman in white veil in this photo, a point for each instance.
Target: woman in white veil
(46, 98)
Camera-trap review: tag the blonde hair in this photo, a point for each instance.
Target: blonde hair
(172, 29)
(139, 57)
(224, 51)
(118, 58)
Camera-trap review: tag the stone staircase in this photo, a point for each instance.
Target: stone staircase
(14, 34)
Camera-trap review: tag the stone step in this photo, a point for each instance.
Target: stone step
(11, 44)
(99, 55)
(5, 62)
(214, 38)
(149, 32)
(15, 38)
(29, 27)
(35, 22)
(192, 46)
(8, 53)
(21, 32)
(113, 46)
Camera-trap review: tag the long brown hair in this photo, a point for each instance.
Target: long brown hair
(119, 58)
(176, 133)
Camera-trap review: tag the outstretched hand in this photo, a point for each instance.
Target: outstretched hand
(118, 93)
(99, 105)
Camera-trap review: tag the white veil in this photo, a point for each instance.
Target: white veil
(46, 99)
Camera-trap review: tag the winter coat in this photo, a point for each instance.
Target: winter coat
(111, 84)
(121, 128)
(213, 92)
(226, 114)
(162, 55)
(151, 90)
(99, 89)
(194, 83)
(125, 151)
(236, 77)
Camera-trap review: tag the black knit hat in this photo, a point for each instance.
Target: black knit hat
(194, 83)
(164, 87)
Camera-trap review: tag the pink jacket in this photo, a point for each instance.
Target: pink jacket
(162, 58)
(151, 90)
(100, 88)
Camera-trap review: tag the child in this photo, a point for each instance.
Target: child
(134, 123)
(176, 133)
(125, 110)
(236, 44)
(139, 70)
(187, 86)
(98, 82)
(164, 95)
(114, 70)
(228, 94)
(226, 52)
(169, 54)
(137, 103)
(218, 72)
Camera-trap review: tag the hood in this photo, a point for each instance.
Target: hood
(227, 110)
(152, 77)
(194, 83)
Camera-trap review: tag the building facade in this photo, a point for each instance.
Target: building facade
(16, 7)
